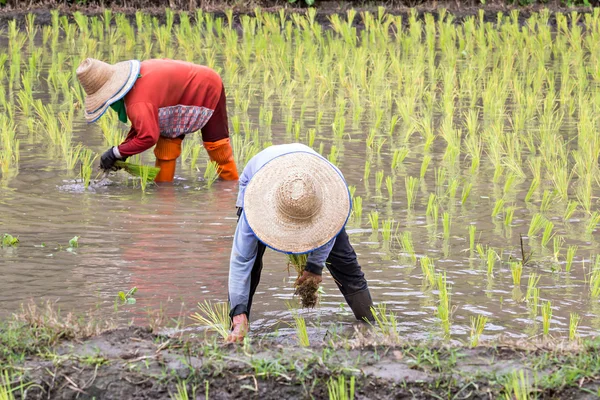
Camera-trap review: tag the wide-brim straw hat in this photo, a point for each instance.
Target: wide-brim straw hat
(297, 202)
(105, 84)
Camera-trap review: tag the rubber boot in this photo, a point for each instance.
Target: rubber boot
(222, 153)
(361, 303)
(167, 151)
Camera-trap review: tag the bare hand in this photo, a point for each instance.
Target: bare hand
(309, 276)
(240, 329)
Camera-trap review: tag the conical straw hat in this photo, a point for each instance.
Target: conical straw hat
(297, 203)
(105, 84)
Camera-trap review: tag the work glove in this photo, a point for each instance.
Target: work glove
(108, 160)
(240, 329)
(309, 276)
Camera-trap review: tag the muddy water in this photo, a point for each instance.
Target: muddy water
(173, 241)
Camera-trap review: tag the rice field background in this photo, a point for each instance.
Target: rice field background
(471, 149)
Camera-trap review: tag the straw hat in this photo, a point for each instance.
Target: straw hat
(297, 202)
(105, 84)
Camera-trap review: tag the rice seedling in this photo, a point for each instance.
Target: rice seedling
(466, 192)
(389, 184)
(574, 320)
(477, 327)
(491, 256)
(399, 156)
(535, 183)
(367, 172)
(516, 270)
(86, 157)
(517, 386)
(509, 213)
(428, 269)
(425, 165)
(385, 323)
(547, 235)
(214, 316)
(592, 223)
(537, 223)
(571, 250)
(374, 221)
(182, 392)
(532, 282)
(443, 309)
(406, 242)
(378, 180)
(411, 184)
(446, 222)
(211, 173)
(594, 282)
(357, 207)
(145, 173)
(546, 317)
(301, 332)
(498, 207)
(386, 230)
(472, 231)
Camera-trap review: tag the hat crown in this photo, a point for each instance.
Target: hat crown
(93, 74)
(298, 196)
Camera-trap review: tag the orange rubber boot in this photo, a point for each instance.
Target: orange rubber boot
(167, 151)
(222, 153)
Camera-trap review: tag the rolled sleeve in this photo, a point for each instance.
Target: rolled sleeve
(243, 256)
(316, 260)
(145, 130)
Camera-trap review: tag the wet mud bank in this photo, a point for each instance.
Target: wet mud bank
(134, 363)
(460, 11)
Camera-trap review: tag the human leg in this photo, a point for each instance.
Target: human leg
(167, 151)
(215, 135)
(348, 275)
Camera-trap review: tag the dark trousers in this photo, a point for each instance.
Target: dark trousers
(341, 263)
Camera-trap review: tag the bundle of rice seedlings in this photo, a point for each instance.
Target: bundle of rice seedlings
(307, 290)
(142, 171)
(214, 316)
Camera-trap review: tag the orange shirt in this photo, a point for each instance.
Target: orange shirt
(171, 98)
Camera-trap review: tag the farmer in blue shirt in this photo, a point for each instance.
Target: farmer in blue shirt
(295, 201)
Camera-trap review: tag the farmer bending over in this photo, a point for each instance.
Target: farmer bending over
(293, 200)
(164, 100)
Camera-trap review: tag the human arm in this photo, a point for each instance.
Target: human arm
(315, 263)
(243, 256)
(144, 132)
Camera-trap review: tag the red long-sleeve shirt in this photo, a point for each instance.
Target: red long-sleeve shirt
(171, 98)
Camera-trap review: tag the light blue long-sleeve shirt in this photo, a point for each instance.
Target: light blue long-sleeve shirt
(245, 243)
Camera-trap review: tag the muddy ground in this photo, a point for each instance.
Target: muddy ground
(460, 10)
(134, 363)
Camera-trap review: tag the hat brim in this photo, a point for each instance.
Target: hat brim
(125, 75)
(294, 236)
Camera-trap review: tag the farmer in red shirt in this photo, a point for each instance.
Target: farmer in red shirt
(164, 100)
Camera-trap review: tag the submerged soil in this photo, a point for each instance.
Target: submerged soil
(134, 363)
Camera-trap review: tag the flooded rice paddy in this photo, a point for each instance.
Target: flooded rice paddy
(471, 149)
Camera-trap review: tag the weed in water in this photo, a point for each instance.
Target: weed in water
(214, 316)
(546, 317)
(127, 298)
(9, 240)
(477, 327)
